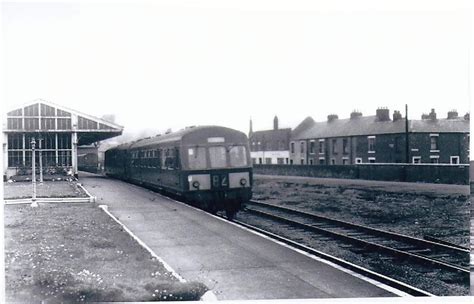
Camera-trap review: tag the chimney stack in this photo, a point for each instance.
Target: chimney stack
(397, 115)
(355, 114)
(332, 117)
(452, 114)
(383, 114)
(432, 115)
(466, 116)
(275, 123)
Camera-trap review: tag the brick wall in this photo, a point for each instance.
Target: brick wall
(444, 174)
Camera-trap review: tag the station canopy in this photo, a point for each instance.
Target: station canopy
(42, 116)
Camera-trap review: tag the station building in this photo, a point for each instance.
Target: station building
(381, 139)
(57, 131)
(270, 146)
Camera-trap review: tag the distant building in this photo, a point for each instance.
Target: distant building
(270, 146)
(381, 139)
(57, 133)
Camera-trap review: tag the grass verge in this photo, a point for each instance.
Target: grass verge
(47, 189)
(75, 252)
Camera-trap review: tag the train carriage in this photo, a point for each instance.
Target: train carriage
(208, 166)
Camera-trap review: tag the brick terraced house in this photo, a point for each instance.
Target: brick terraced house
(270, 146)
(381, 139)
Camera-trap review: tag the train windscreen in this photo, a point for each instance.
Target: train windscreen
(217, 156)
(238, 156)
(197, 158)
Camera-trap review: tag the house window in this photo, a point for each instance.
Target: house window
(280, 160)
(454, 160)
(434, 142)
(311, 147)
(268, 161)
(371, 160)
(371, 141)
(358, 160)
(416, 159)
(302, 147)
(321, 146)
(302, 161)
(292, 147)
(311, 161)
(333, 161)
(345, 161)
(434, 159)
(322, 161)
(286, 160)
(345, 146)
(291, 162)
(334, 146)
(260, 161)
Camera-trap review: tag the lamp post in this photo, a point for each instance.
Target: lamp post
(40, 150)
(33, 172)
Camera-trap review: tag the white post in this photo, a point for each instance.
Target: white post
(33, 173)
(74, 153)
(40, 160)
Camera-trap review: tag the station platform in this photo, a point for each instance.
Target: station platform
(233, 262)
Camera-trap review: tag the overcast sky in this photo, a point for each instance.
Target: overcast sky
(169, 64)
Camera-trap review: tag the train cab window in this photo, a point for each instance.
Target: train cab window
(197, 158)
(238, 156)
(217, 156)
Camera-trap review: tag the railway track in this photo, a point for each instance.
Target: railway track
(419, 267)
(429, 253)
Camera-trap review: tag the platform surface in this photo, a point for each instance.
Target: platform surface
(236, 264)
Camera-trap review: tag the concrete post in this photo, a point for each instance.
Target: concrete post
(33, 173)
(74, 154)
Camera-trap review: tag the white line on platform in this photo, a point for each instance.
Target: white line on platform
(167, 266)
(348, 271)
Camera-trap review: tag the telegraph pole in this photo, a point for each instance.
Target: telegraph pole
(407, 146)
(33, 172)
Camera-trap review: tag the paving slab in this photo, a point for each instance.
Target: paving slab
(235, 263)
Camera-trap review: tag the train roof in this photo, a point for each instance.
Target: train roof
(175, 136)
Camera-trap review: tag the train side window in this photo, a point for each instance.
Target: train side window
(170, 161)
(158, 159)
(177, 161)
(197, 158)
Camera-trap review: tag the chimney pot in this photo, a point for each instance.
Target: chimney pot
(332, 117)
(452, 114)
(382, 114)
(397, 115)
(355, 114)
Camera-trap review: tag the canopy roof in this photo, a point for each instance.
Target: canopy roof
(42, 116)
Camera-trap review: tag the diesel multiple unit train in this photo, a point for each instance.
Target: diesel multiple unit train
(207, 166)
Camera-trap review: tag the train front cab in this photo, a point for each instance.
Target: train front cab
(218, 177)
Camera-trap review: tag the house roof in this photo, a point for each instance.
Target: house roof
(369, 125)
(279, 134)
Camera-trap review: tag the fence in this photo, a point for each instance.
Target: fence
(427, 173)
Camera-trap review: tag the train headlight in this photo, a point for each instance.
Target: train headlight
(243, 182)
(196, 184)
